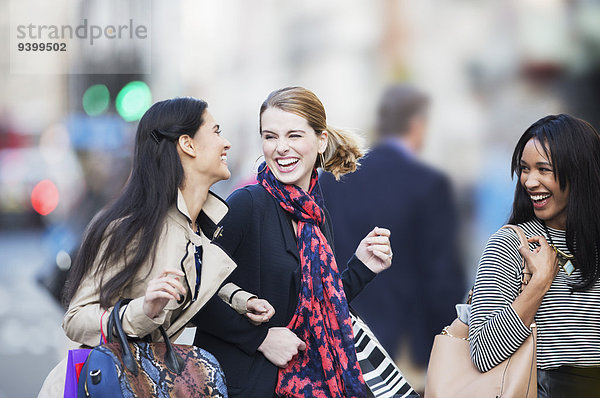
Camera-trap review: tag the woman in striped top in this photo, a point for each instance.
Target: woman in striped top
(557, 161)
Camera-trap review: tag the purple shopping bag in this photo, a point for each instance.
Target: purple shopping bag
(75, 361)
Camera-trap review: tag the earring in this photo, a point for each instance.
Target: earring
(263, 169)
(322, 160)
(255, 166)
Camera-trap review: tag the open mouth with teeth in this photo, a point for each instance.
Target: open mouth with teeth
(224, 158)
(539, 201)
(287, 164)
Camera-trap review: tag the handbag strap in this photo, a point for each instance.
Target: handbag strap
(173, 361)
(525, 273)
(115, 325)
(525, 277)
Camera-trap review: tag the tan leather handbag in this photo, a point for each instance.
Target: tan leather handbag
(451, 372)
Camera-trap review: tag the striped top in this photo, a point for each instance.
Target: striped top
(568, 324)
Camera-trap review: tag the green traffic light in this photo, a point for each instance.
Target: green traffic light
(133, 100)
(95, 100)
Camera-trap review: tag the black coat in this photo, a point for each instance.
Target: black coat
(259, 235)
(415, 299)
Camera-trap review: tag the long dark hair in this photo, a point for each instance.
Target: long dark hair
(141, 207)
(573, 145)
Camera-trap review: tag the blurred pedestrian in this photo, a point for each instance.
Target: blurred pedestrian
(394, 189)
(279, 233)
(557, 161)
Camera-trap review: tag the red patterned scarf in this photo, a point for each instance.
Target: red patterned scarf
(328, 367)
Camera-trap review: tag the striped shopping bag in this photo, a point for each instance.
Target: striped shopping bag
(382, 376)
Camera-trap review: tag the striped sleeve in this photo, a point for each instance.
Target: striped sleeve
(495, 329)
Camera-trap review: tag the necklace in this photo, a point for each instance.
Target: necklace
(565, 261)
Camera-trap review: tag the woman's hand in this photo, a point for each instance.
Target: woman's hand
(542, 263)
(259, 311)
(162, 289)
(543, 266)
(280, 346)
(375, 250)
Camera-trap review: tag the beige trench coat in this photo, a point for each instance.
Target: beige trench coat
(175, 249)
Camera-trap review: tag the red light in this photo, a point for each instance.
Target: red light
(44, 197)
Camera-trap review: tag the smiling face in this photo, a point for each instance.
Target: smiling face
(290, 146)
(542, 186)
(210, 149)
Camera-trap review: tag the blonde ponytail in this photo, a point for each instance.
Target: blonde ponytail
(344, 149)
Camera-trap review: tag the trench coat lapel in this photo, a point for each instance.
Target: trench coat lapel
(216, 264)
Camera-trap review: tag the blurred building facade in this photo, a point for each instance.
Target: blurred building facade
(491, 68)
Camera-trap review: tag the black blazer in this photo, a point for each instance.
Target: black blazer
(416, 297)
(259, 235)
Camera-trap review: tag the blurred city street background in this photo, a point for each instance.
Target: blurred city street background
(491, 68)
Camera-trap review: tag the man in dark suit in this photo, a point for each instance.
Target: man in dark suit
(393, 189)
